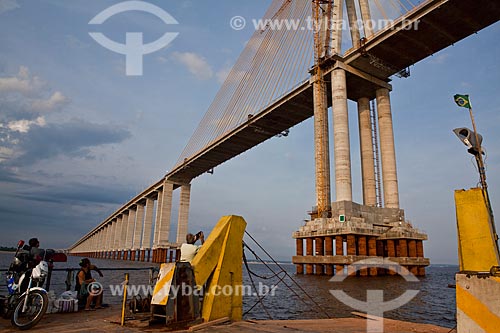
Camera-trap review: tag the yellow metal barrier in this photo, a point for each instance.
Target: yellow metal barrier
(476, 243)
(478, 304)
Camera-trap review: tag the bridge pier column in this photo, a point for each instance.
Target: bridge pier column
(182, 223)
(372, 252)
(420, 254)
(321, 150)
(342, 146)
(116, 235)
(309, 252)
(351, 251)
(319, 253)
(362, 251)
(339, 251)
(300, 252)
(391, 252)
(129, 238)
(123, 238)
(387, 149)
(366, 148)
(329, 252)
(163, 214)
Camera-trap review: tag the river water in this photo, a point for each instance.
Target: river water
(434, 303)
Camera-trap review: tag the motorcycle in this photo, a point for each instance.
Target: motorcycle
(27, 301)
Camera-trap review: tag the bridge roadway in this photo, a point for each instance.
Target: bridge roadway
(441, 23)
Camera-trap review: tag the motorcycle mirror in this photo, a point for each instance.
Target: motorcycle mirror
(20, 244)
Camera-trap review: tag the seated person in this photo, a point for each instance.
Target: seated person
(83, 280)
(188, 249)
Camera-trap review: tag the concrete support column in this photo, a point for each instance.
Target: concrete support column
(353, 23)
(412, 248)
(391, 252)
(182, 223)
(139, 226)
(321, 150)
(300, 252)
(339, 251)
(372, 252)
(329, 252)
(412, 253)
(130, 229)
(367, 155)
(320, 252)
(342, 148)
(366, 16)
(164, 213)
(148, 224)
(362, 251)
(309, 252)
(351, 251)
(403, 248)
(156, 232)
(123, 237)
(420, 254)
(420, 249)
(105, 239)
(117, 232)
(387, 149)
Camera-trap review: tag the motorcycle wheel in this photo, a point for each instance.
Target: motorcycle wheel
(36, 307)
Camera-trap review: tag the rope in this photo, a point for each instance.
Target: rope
(287, 275)
(255, 288)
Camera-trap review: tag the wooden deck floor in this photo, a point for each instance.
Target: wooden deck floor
(107, 320)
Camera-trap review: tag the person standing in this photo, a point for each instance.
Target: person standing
(189, 249)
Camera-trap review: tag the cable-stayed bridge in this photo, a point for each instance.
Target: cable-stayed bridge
(285, 76)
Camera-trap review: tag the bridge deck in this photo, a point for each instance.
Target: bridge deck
(442, 23)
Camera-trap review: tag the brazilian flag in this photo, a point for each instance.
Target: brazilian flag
(463, 101)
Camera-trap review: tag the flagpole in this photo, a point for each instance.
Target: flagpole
(479, 156)
(482, 175)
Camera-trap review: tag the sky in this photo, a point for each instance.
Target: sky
(79, 138)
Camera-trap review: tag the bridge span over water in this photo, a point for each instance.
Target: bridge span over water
(282, 79)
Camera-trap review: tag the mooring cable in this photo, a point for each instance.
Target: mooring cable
(256, 291)
(286, 273)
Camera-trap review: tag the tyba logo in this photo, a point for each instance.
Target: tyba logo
(134, 49)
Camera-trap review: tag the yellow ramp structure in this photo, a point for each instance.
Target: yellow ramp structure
(477, 247)
(478, 286)
(218, 266)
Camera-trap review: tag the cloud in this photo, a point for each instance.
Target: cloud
(55, 101)
(196, 64)
(8, 5)
(24, 125)
(22, 83)
(223, 74)
(73, 139)
(78, 193)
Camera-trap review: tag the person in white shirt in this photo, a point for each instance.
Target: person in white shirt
(188, 249)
